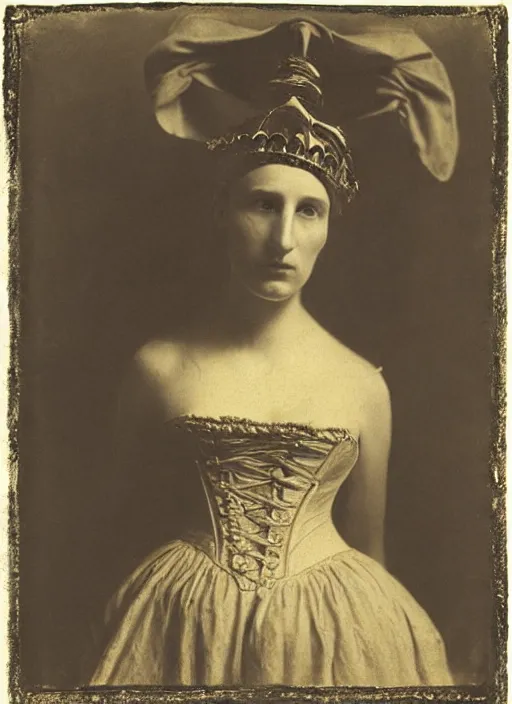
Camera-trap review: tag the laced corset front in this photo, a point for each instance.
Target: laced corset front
(267, 485)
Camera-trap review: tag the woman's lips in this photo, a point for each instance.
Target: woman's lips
(279, 266)
(277, 270)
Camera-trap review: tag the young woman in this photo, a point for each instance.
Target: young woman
(264, 416)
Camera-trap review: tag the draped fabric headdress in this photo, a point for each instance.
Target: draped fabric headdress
(279, 94)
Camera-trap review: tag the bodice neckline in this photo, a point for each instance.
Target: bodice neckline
(229, 423)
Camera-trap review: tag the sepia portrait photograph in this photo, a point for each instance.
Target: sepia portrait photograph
(257, 339)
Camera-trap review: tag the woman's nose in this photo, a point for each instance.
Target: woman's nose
(283, 239)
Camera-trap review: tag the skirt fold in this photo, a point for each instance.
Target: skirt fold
(181, 619)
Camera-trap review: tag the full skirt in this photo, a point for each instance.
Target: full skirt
(181, 619)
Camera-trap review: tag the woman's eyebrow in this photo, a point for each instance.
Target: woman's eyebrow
(315, 200)
(269, 193)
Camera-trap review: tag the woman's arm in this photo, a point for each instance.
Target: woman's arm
(138, 408)
(133, 483)
(365, 498)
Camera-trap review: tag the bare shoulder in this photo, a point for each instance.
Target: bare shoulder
(150, 373)
(347, 363)
(353, 372)
(159, 358)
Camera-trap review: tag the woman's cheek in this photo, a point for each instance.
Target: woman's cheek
(249, 234)
(243, 252)
(318, 241)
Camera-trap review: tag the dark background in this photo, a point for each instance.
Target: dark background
(114, 248)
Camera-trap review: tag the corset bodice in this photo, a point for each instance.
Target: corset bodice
(255, 586)
(269, 488)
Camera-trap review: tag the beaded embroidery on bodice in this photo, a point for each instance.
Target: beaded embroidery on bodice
(259, 479)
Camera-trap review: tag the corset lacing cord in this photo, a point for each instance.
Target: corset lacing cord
(254, 524)
(257, 475)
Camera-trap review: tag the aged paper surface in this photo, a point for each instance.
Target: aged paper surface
(462, 695)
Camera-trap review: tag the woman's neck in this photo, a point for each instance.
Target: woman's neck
(248, 320)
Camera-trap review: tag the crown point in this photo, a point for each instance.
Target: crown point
(330, 162)
(296, 145)
(245, 141)
(260, 140)
(276, 143)
(315, 154)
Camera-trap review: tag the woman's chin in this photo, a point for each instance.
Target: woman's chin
(274, 291)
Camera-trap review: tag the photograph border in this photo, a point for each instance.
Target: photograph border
(15, 18)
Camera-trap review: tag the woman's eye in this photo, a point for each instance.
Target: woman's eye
(308, 211)
(266, 206)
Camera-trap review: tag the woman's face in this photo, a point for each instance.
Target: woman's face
(277, 220)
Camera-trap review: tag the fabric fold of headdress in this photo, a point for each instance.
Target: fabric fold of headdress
(210, 76)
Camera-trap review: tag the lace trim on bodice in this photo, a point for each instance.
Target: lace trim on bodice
(281, 429)
(257, 476)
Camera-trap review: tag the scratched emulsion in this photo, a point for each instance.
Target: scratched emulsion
(16, 20)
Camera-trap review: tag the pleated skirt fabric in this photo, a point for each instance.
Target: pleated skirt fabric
(181, 619)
